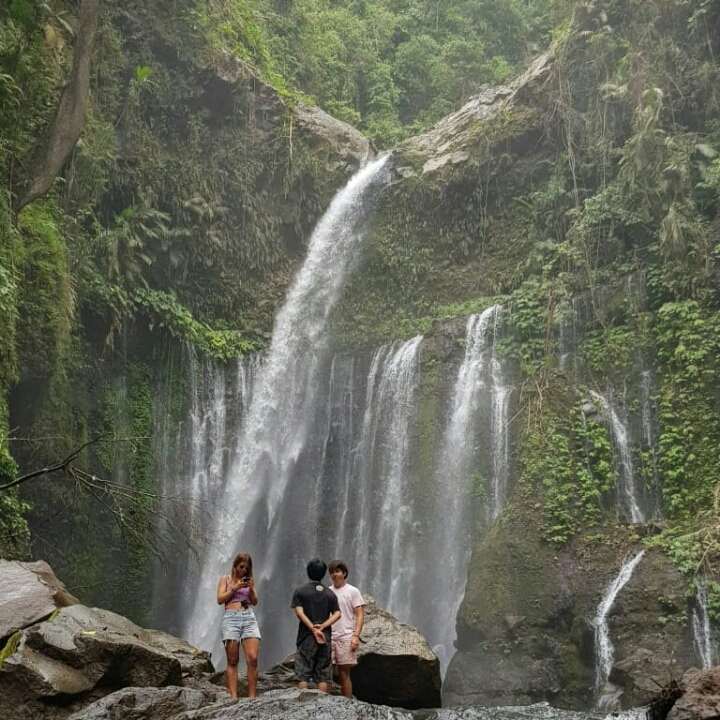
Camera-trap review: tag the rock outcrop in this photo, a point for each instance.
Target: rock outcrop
(84, 653)
(395, 664)
(701, 696)
(68, 660)
(525, 628)
(31, 593)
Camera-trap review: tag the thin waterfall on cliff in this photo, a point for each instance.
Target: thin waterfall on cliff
(704, 638)
(628, 502)
(604, 649)
(648, 412)
(501, 390)
(281, 413)
(194, 463)
(454, 481)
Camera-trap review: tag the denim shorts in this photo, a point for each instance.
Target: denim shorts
(240, 625)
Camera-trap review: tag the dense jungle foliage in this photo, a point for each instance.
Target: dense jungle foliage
(169, 224)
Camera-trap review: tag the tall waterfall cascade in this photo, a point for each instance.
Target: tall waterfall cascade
(280, 417)
(603, 645)
(302, 453)
(194, 464)
(479, 380)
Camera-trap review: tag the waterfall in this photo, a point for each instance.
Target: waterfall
(627, 492)
(192, 464)
(386, 563)
(499, 428)
(603, 646)
(648, 411)
(272, 447)
(454, 479)
(704, 639)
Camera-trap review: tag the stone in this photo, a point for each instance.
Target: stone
(156, 703)
(701, 697)
(294, 704)
(86, 652)
(396, 666)
(25, 599)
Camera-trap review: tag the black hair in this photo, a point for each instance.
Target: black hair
(338, 565)
(316, 569)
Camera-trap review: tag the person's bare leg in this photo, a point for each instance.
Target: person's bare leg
(251, 647)
(302, 685)
(232, 651)
(325, 687)
(344, 680)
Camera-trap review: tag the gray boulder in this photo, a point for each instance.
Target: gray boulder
(31, 593)
(293, 704)
(396, 666)
(84, 653)
(156, 703)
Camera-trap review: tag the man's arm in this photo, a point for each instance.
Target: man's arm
(314, 629)
(330, 621)
(359, 619)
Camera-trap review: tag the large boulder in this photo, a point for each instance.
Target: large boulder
(701, 696)
(31, 593)
(84, 653)
(288, 704)
(396, 666)
(156, 703)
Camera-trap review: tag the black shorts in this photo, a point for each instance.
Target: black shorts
(312, 662)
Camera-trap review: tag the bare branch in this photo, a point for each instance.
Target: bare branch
(153, 521)
(62, 465)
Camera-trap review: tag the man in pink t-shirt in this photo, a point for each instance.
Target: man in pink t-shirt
(346, 631)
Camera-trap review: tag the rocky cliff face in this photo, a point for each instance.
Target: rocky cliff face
(527, 631)
(517, 198)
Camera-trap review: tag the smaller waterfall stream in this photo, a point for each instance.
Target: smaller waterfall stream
(704, 638)
(387, 565)
(500, 436)
(603, 646)
(627, 491)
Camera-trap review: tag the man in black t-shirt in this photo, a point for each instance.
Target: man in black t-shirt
(317, 609)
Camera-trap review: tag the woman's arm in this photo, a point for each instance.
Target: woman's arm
(225, 591)
(253, 596)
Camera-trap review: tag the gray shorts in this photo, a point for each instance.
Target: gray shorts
(240, 625)
(312, 662)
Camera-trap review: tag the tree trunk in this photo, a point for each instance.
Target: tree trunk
(42, 164)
